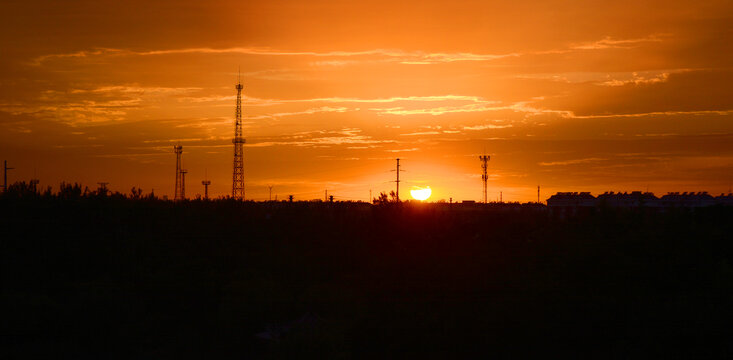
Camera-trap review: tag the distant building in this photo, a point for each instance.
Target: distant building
(685, 199)
(628, 200)
(572, 199)
(724, 199)
(570, 202)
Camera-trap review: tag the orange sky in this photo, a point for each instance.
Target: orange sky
(569, 95)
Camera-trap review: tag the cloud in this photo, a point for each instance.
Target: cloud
(135, 89)
(653, 113)
(322, 138)
(439, 110)
(489, 126)
(422, 133)
(610, 43)
(395, 55)
(403, 150)
(571, 162)
(401, 56)
(322, 109)
(636, 79)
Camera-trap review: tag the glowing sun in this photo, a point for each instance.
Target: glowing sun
(421, 194)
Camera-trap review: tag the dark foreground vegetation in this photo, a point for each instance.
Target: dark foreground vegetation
(103, 277)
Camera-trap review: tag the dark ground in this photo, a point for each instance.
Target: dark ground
(116, 278)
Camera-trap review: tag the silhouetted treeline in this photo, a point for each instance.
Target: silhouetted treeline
(226, 279)
(30, 190)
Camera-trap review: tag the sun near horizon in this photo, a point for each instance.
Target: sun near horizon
(568, 96)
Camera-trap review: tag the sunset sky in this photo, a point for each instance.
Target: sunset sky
(569, 95)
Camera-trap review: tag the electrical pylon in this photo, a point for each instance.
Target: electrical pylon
(485, 177)
(178, 149)
(238, 175)
(183, 184)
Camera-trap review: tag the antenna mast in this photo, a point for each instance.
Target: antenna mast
(206, 182)
(177, 194)
(183, 184)
(238, 141)
(485, 177)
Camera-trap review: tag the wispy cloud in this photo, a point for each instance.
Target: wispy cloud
(135, 89)
(422, 133)
(609, 42)
(322, 109)
(637, 79)
(401, 56)
(395, 55)
(403, 150)
(322, 138)
(488, 126)
(571, 162)
(653, 113)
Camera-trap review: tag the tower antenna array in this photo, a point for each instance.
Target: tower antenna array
(183, 184)
(206, 182)
(485, 177)
(238, 174)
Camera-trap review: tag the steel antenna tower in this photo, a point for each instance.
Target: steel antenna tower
(485, 177)
(178, 149)
(206, 182)
(238, 175)
(183, 184)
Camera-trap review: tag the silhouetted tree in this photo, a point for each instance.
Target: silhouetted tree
(136, 193)
(69, 191)
(382, 199)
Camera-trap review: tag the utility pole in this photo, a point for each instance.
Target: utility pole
(538, 194)
(398, 179)
(270, 198)
(5, 175)
(501, 197)
(485, 177)
(178, 149)
(371, 200)
(326, 196)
